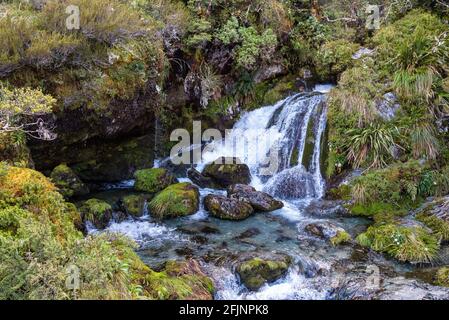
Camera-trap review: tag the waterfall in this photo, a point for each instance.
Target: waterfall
(293, 130)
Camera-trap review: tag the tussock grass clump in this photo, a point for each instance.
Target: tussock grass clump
(407, 244)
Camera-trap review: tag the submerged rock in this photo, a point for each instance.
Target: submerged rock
(153, 180)
(97, 212)
(227, 171)
(329, 232)
(256, 272)
(177, 200)
(260, 201)
(68, 183)
(226, 208)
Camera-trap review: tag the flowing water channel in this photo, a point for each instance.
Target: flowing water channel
(294, 129)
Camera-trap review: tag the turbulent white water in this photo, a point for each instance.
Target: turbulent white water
(276, 136)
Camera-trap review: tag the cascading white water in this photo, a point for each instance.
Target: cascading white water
(284, 129)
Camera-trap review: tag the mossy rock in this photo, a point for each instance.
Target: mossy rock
(341, 237)
(442, 277)
(134, 205)
(257, 272)
(227, 171)
(97, 212)
(435, 215)
(227, 208)
(180, 280)
(175, 201)
(329, 232)
(68, 183)
(153, 180)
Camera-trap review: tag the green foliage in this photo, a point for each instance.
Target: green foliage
(442, 277)
(390, 191)
(334, 57)
(372, 145)
(199, 33)
(408, 244)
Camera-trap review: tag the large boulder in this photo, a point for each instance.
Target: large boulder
(227, 171)
(68, 183)
(177, 200)
(260, 201)
(256, 272)
(97, 212)
(226, 208)
(153, 180)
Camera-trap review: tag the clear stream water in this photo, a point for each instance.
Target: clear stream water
(294, 129)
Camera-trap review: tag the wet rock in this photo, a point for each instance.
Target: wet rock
(252, 232)
(260, 201)
(202, 181)
(185, 252)
(97, 212)
(68, 183)
(361, 287)
(177, 200)
(153, 180)
(435, 215)
(134, 205)
(326, 208)
(199, 239)
(269, 72)
(227, 171)
(256, 272)
(329, 232)
(388, 106)
(226, 208)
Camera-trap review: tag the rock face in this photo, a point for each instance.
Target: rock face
(68, 183)
(260, 201)
(257, 272)
(153, 180)
(227, 209)
(177, 200)
(329, 232)
(134, 205)
(97, 212)
(435, 215)
(227, 171)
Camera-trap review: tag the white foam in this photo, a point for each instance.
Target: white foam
(323, 88)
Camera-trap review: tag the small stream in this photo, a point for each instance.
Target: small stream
(295, 128)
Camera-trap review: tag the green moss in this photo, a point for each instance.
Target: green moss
(177, 200)
(180, 280)
(341, 238)
(411, 244)
(96, 211)
(442, 277)
(394, 190)
(134, 204)
(68, 182)
(343, 192)
(334, 57)
(257, 272)
(153, 180)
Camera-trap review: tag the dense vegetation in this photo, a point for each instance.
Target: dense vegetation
(135, 63)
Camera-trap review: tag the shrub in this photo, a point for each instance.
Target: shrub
(334, 57)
